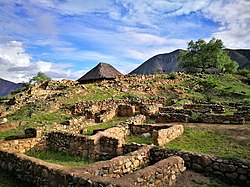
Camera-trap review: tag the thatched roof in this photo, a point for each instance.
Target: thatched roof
(101, 71)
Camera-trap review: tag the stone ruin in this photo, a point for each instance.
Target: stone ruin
(122, 164)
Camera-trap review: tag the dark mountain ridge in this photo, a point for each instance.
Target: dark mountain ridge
(165, 63)
(7, 86)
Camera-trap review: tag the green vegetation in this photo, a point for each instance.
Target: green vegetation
(210, 141)
(105, 125)
(202, 55)
(36, 114)
(40, 77)
(137, 138)
(18, 130)
(8, 180)
(59, 158)
(215, 88)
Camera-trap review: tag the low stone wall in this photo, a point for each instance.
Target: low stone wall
(22, 145)
(97, 146)
(216, 108)
(171, 117)
(41, 173)
(128, 148)
(9, 125)
(243, 114)
(220, 119)
(163, 136)
(236, 171)
(163, 173)
(139, 119)
(174, 110)
(149, 109)
(125, 110)
(119, 166)
(107, 115)
(81, 107)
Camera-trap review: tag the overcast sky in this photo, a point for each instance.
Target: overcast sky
(66, 38)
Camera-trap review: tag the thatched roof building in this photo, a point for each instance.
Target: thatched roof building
(101, 72)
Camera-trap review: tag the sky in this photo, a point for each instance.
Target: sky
(66, 38)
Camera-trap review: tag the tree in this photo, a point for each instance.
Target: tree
(204, 56)
(39, 78)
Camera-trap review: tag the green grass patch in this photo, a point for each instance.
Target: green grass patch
(18, 130)
(210, 142)
(105, 125)
(61, 158)
(8, 180)
(38, 116)
(137, 138)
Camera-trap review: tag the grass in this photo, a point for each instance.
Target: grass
(210, 142)
(38, 116)
(139, 139)
(8, 180)
(18, 130)
(227, 88)
(105, 125)
(59, 158)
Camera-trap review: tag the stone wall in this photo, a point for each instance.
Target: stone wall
(216, 108)
(41, 173)
(175, 110)
(171, 117)
(163, 173)
(97, 146)
(107, 115)
(125, 110)
(22, 145)
(121, 165)
(220, 119)
(163, 136)
(81, 107)
(138, 119)
(150, 109)
(236, 171)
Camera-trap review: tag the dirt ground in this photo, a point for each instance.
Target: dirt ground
(193, 179)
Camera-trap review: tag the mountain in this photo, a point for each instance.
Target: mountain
(6, 87)
(165, 63)
(162, 63)
(242, 56)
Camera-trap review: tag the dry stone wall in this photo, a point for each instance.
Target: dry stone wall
(22, 145)
(125, 110)
(236, 171)
(163, 173)
(163, 136)
(216, 108)
(121, 165)
(149, 109)
(41, 173)
(171, 117)
(97, 146)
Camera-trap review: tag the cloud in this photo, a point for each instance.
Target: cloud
(17, 66)
(234, 19)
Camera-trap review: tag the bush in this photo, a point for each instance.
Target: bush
(244, 72)
(172, 75)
